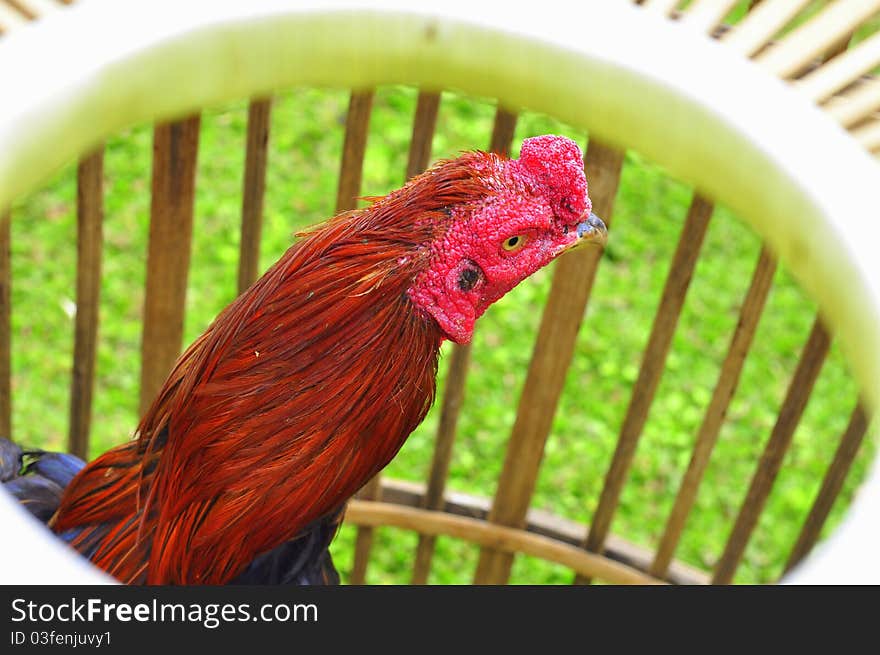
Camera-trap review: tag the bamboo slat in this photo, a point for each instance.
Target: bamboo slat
(502, 136)
(761, 24)
(90, 239)
(496, 537)
(792, 54)
(665, 322)
(19, 8)
(354, 147)
(259, 118)
(10, 19)
(831, 485)
(705, 15)
(572, 281)
(707, 436)
(364, 539)
(851, 107)
(841, 71)
(34, 9)
(357, 123)
(5, 325)
(809, 366)
(446, 427)
(663, 7)
(502, 131)
(868, 135)
(175, 148)
(424, 122)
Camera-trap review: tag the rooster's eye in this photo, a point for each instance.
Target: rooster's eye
(514, 243)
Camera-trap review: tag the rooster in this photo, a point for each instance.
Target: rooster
(309, 383)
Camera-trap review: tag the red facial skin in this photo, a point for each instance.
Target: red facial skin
(539, 198)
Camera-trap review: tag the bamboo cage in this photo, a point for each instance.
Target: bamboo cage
(828, 51)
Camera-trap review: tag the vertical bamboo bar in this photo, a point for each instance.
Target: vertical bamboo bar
(665, 322)
(868, 135)
(704, 15)
(446, 427)
(10, 19)
(259, 115)
(843, 69)
(502, 136)
(419, 155)
(34, 9)
(354, 147)
(572, 282)
(749, 315)
(424, 123)
(364, 539)
(5, 325)
(13, 16)
(502, 131)
(22, 8)
(663, 7)
(831, 485)
(357, 123)
(817, 36)
(175, 148)
(851, 108)
(761, 23)
(796, 398)
(90, 239)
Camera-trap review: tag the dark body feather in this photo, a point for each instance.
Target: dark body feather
(37, 478)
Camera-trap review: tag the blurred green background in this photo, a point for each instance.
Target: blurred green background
(305, 145)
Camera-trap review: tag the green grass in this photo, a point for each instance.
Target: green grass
(306, 139)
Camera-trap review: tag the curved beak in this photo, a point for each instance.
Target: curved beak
(592, 230)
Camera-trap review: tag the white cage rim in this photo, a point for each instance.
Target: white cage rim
(713, 119)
